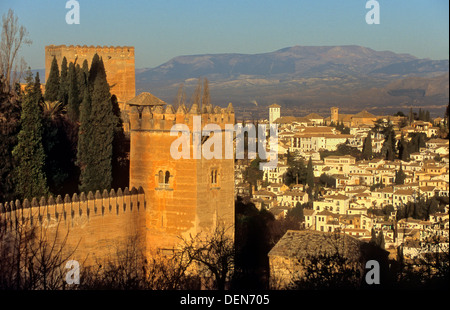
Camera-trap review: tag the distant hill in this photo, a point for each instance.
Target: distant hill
(305, 79)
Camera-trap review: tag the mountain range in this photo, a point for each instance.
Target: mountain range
(305, 79)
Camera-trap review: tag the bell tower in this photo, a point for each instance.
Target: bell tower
(334, 115)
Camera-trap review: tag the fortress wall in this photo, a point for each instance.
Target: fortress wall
(119, 65)
(96, 226)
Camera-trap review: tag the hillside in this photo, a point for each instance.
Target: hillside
(305, 79)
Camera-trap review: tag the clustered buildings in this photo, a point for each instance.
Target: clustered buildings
(361, 187)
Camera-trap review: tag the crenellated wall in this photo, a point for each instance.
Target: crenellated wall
(119, 64)
(96, 225)
(164, 117)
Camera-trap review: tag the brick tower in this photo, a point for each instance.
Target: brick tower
(183, 196)
(334, 115)
(119, 65)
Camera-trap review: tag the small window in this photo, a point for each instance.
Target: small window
(166, 179)
(214, 176)
(160, 177)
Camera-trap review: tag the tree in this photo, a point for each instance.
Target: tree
(380, 240)
(73, 99)
(296, 172)
(214, 254)
(403, 153)
(310, 174)
(252, 173)
(400, 176)
(12, 38)
(63, 83)
(297, 212)
(10, 110)
(29, 151)
(388, 148)
(84, 133)
(52, 84)
(367, 147)
(96, 162)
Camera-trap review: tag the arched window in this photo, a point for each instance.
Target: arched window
(166, 180)
(160, 177)
(214, 176)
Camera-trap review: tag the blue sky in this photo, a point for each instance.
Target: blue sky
(162, 29)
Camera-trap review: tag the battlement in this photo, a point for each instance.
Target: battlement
(160, 117)
(71, 210)
(118, 50)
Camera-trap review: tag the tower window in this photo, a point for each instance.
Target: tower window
(160, 177)
(166, 179)
(163, 179)
(214, 177)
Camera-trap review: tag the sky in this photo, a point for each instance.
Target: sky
(162, 29)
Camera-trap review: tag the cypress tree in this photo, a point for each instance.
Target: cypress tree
(367, 147)
(64, 83)
(97, 173)
(73, 101)
(380, 240)
(400, 176)
(52, 83)
(310, 174)
(403, 153)
(84, 133)
(29, 151)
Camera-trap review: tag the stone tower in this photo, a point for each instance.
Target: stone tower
(274, 112)
(183, 196)
(334, 115)
(118, 61)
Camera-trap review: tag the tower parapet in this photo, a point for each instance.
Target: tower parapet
(147, 112)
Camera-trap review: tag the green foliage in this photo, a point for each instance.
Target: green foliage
(420, 209)
(63, 94)
(388, 150)
(296, 172)
(296, 213)
(403, 153)
(29, 151)
(252, 173)
(417, 141)
(52, 84)
(73, 101)
(400, 176)
(98, 123)
(10, 110)
(310, 174)
(367, 148)
(327, 180)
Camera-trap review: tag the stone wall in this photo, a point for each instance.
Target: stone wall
(97, 226)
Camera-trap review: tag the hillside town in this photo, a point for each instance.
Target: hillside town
(384, 177)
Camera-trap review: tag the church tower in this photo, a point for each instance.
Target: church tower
(334, 115)
(185, 195)
(274, 112)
